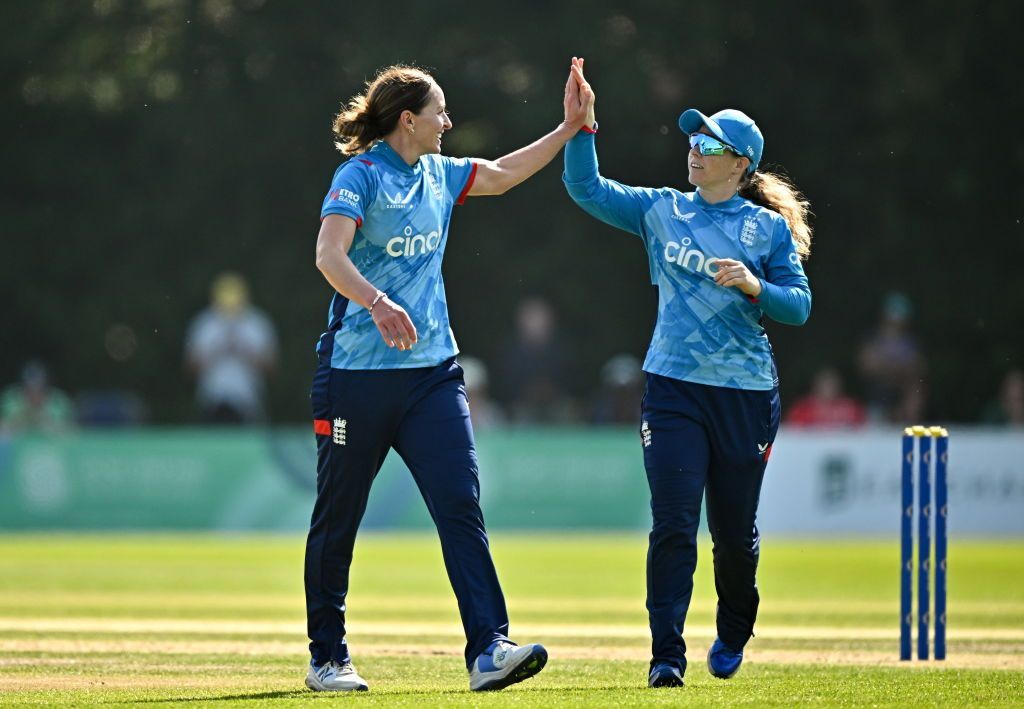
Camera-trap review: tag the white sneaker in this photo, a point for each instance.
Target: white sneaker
(503, 664)
(335, 677)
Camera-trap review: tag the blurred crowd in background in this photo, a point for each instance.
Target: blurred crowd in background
(156, 145)
(231, 350)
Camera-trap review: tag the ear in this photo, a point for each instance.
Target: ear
(743, 163)
(406, 120)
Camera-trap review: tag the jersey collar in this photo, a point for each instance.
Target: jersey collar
(730, 205)
(385, 153)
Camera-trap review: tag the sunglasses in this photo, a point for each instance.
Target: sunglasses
(709, 145)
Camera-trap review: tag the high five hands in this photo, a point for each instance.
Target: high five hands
(579, 97)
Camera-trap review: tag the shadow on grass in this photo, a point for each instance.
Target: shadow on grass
(297, 693)
(224, 698)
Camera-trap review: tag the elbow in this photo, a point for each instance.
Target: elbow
(321, 258)
(801, 316)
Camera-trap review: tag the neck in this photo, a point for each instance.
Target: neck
(713, 194)
(402, 144)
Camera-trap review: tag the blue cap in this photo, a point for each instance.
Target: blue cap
(734, 128)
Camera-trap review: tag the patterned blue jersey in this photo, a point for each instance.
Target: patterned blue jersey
(705, 333)
(402, 214)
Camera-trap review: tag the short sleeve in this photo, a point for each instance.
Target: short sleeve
(459, 174)
(351, 190)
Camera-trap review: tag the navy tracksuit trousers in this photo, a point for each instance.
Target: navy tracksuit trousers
(423, 414)
(714, 442)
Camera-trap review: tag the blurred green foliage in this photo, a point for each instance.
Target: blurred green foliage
(150, 144)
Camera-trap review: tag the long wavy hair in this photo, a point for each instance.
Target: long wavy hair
(776, 192)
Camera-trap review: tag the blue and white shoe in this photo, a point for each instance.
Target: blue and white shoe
(503, 664)
(665, 675)
(335, 677)
(723, 662)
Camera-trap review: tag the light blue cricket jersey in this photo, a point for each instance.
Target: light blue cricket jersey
(705, 333)
(402, 214)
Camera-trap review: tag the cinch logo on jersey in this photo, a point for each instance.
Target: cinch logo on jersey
(693, 259)
(343, 195)
(410, 245)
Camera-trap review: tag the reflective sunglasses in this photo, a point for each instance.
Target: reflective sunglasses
(709, 145)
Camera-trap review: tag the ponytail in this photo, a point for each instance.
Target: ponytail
(775, 192)
(374, 113)
(355, 127)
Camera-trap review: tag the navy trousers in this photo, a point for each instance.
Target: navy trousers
(713, 442)
(423, 414)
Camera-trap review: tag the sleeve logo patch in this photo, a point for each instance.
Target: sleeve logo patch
(343, 195)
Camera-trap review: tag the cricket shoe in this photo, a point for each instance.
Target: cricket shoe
(503, 664)
(665, 675)
(335, 677)
(723, 662)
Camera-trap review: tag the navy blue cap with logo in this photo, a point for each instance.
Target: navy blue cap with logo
(734, 128)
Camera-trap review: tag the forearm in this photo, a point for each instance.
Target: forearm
(345, 278)
(610, 201)
(790, 305)
(518, 166)
(581, 166)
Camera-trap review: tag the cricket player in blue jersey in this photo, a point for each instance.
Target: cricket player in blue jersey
(723, 257)
(387, 375)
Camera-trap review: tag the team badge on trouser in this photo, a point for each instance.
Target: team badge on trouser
(338, 431)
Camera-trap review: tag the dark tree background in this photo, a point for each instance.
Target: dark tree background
(149, 145)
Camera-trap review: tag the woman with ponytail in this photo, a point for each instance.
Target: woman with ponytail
(723, 257)
(387, 375)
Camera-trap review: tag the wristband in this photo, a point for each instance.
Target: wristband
(380, 295)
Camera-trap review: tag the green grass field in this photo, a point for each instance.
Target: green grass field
(191, 619)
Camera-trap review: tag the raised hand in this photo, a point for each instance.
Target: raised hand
(575, 109)
(586, 92)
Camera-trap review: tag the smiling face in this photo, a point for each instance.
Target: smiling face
(709, 171)
(431, 122)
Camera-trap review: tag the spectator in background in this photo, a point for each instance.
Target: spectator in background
(1008, 408)
(893, 367)
(484, 413)
(826, 406)
(34, 405)
(534, 367)
(231, 347)
(622, 387)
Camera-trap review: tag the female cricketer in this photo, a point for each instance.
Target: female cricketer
(387, 375)
(722, 257)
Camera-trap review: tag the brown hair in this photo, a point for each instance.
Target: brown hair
(375, 112)
(777, 193)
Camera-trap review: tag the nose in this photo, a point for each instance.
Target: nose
(447, 122)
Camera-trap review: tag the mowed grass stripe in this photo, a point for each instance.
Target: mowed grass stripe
(159, 602)
(96, 654)
(80, 612)
(152, 626)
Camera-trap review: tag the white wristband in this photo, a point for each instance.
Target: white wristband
(380, 295)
